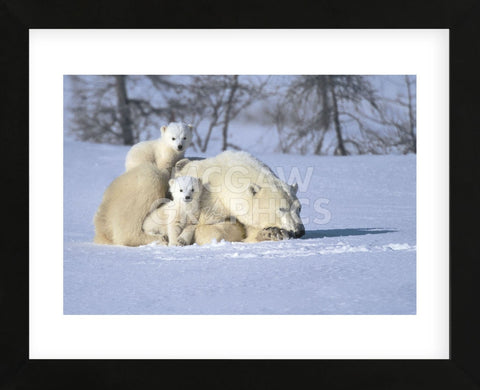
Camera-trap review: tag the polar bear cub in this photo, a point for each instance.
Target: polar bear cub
(163, 152)
(177, 219)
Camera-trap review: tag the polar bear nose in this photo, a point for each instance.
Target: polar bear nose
(299, 232)
(180, 147)
(188, 197)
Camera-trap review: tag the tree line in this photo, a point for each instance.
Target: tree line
(312, 114)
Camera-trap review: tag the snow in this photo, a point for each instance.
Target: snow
(358, 255)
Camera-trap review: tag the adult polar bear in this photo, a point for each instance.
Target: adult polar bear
(241, 189)
(243, 200)
(126, 203)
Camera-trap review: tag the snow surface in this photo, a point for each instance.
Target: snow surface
(358, 255)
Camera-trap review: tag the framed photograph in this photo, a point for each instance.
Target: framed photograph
(354, 266)
(351, 126)
(341, 152)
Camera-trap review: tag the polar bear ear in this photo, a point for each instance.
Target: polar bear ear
(181, 163)
(190, 126)
(254, 188)
(294, 188)
(171, 182)
(163, 129)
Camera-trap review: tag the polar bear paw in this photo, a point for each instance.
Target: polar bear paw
(181, 242)
(273, 234)
(162, 239)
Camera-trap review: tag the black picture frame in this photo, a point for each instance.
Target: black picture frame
(459, 372)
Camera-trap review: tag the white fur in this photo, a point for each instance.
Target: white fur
(241, 187)
(177, 219)
(163, 152)
(125, 204)
(242, 200)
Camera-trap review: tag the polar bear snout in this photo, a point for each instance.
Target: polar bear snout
(299, 232)
(180, 147)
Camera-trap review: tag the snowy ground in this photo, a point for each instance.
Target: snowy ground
(357, 257)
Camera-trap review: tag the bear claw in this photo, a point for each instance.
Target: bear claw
(273, 234)
(181, 242)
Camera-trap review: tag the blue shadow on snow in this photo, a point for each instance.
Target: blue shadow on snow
(344, 232)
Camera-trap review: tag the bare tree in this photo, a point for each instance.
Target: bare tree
(96, 114)
(411, 84)
(319, 114)
(125, 120)
(391, 128)
(315, 105)
(228, 110)
(217, 100)
(330, 88)
(119, 109)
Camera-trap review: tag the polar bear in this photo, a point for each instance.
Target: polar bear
(175, 220)
(163, 152)
(126, 203)
(243, 200)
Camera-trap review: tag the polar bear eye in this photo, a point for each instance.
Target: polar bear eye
(193, 190)
(173, 139)
(184, 137)
(181, 190)
(282, 210)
